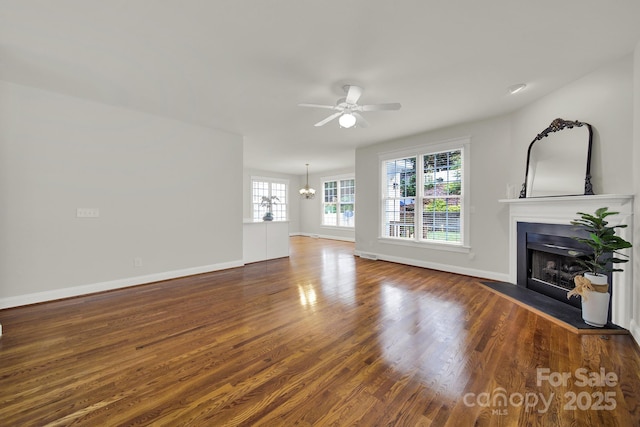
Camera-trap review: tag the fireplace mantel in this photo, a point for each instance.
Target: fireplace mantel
(563, 209)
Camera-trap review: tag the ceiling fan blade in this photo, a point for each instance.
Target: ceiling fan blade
(353, 94)
(328, 119)
(360, 121)
(328, 107)
(380, 107)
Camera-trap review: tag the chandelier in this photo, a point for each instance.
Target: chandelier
(306, 191)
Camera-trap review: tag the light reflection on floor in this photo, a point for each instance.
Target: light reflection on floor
(308, 296)
(421, 335)
(338, 280)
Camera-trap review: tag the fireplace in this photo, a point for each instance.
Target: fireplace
(559, 211)
(547, 257)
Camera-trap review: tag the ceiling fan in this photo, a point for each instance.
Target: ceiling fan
(348, 110)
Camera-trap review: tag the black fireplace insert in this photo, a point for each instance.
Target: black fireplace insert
(547, 257)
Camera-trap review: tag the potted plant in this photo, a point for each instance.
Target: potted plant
(268, 202)
(593, 286)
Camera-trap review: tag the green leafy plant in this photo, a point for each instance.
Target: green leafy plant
(602, 240)
(268, 202)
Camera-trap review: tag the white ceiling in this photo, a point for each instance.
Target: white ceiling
(243, 66)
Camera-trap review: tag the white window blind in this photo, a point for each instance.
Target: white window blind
(423, 195)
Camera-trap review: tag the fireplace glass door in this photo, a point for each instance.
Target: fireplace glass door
(555, 270)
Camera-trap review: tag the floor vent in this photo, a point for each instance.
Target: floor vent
(369, 256)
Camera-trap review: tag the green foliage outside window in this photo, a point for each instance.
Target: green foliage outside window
(440, 205)
(408, 184)
(454, 187)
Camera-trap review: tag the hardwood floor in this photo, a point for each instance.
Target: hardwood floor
(320, 338)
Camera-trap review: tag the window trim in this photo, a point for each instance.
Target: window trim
(462, 143)
(337, 178)
(271, 180)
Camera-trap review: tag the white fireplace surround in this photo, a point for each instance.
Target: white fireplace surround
(561, 210)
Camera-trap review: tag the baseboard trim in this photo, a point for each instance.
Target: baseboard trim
(56, 294)
(436, 266)
(327, 236)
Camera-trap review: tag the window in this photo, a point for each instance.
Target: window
(423, 195)
(339, 202)
(269, 187)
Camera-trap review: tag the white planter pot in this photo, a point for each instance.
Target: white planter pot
(595, 309)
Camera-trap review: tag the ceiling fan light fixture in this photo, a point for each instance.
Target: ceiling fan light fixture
(348, 111)
(306, 191)
(347, 120)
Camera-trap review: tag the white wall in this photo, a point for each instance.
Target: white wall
(168, 193)
(635, 263)
(603, 98)
(489, 152)
(498, 156)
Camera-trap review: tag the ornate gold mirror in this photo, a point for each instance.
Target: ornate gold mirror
(559, 161)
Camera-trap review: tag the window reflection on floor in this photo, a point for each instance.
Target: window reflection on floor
(308, 297)
(338, 277)
(421, 335)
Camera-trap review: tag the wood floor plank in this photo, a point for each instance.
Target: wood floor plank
(319, 338)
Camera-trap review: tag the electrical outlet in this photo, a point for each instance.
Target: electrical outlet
(137, 262)
(88, 213)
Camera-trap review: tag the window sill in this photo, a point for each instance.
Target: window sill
(261, 221)
(426, 245)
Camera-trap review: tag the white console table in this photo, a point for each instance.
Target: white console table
(262, 240)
